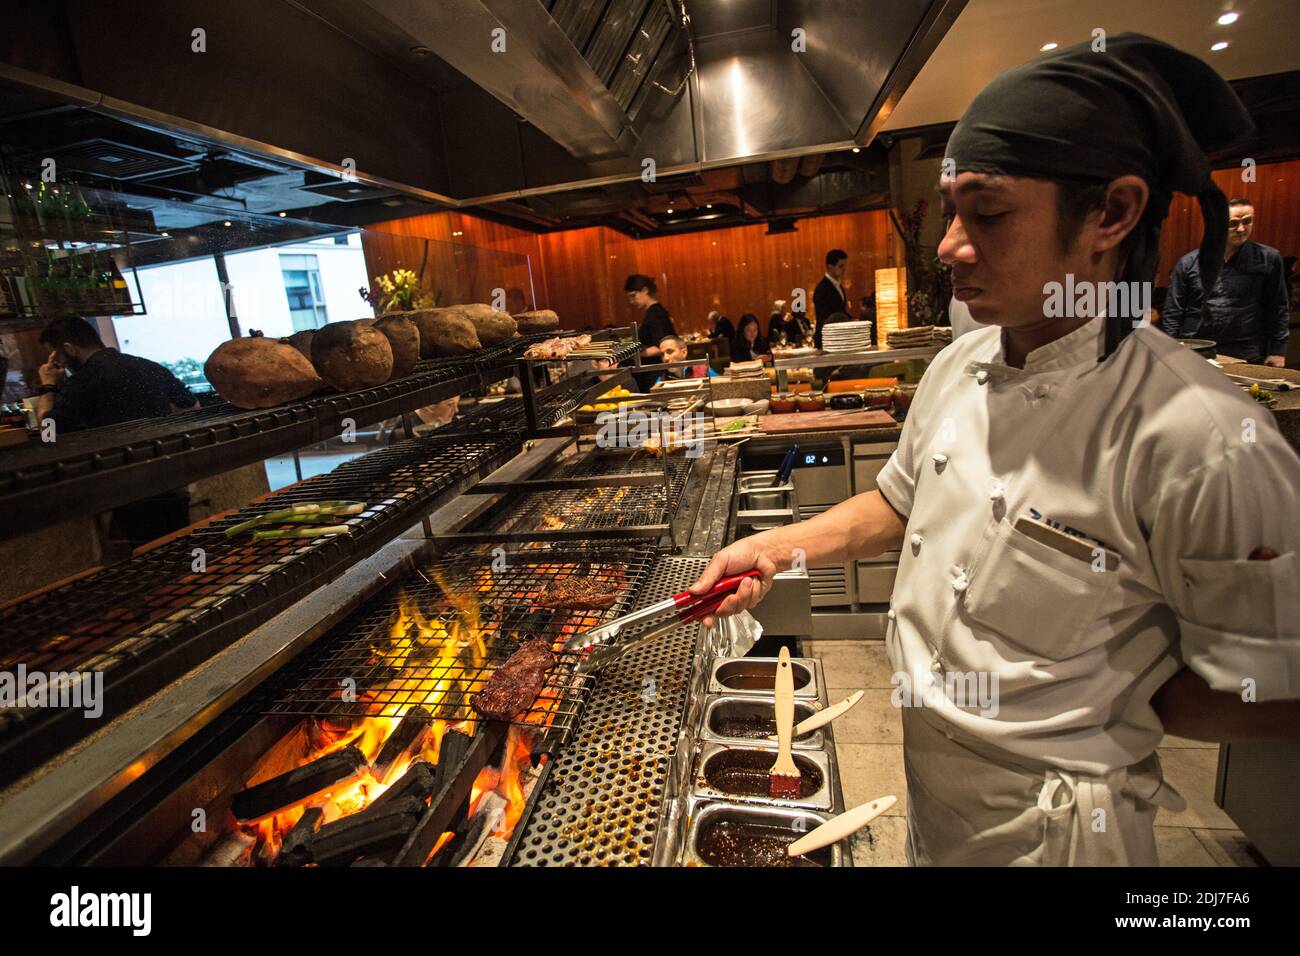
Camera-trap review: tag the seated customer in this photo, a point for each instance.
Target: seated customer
(106, 386)
(674, 350)
(748, 344)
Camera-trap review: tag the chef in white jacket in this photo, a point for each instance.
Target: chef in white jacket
(1099, 532)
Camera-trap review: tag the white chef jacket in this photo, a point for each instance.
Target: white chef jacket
(1155, 457)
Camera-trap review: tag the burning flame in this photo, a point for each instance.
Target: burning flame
(441, 665)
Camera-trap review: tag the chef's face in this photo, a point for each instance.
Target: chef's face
(1003, 247)
(1241, 220)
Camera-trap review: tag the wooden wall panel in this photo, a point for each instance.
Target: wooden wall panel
(1275, 194)
(580, 272)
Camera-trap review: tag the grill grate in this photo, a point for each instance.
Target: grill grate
(603, 801)
(597, 509)
(435, 639)
(154, 608)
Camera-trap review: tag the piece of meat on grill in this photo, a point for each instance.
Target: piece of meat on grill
(579, 594)
(514, 685)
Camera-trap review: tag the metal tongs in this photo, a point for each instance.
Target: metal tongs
(686, 606)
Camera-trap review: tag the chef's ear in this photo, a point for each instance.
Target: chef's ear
(1126, 200)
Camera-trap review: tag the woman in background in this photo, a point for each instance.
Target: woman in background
(748, 344)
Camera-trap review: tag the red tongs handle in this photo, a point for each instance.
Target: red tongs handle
(692, 607)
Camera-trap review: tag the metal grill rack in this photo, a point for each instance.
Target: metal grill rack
(100, 468)
(435, 639)
(148, 620)
(620, 759)
(613, 493)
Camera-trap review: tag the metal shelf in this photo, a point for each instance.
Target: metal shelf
(147, 621)
(98, 469)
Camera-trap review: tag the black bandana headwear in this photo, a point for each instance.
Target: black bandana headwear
(1141, 107)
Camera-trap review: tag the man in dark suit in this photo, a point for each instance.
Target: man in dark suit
(829, 298)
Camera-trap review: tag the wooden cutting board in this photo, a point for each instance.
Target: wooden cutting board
(828, 421)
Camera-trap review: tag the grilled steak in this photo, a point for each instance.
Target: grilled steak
(579, 594)
(515, 685)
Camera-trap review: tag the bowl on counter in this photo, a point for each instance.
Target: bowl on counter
(811, 401)
(782, 404)
(729, 407)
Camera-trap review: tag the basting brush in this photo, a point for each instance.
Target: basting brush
(783, 780)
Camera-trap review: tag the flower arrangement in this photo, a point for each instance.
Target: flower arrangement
(400, 290)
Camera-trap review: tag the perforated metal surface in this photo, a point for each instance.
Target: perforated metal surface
(604, 799)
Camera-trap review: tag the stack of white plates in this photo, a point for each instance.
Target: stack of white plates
(847, 337)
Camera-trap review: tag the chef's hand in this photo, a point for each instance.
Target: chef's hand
(1275, 361)
(51, 373)
(752, 553)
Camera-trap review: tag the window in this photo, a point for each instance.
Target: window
(303, 288)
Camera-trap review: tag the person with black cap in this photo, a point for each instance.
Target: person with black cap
(1099, 534)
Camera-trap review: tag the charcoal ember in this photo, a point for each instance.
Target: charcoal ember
(579, 594)
(296, 848)
(420, 780)
(407, 737)
(514, 686)
(373, 830)
(298, 785)
(233, 849)
(451, 754)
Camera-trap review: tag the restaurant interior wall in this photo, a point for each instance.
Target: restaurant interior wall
(580, 272)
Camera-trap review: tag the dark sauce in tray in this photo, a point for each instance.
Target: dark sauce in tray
(747, 773)
(747, 843)
(752, 726)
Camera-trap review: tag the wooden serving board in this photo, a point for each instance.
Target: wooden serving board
(828, 421)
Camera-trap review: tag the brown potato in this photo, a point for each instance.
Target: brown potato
(542, 320)
(351, 355)
(493, 327)
(404, 337)
(445, 332)
(301, 341)
(260, 372)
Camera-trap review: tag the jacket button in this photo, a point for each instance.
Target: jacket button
(916, 540)
(940, 460)
(892, 614)
(982, 376)
(997, 490)
(960, 583)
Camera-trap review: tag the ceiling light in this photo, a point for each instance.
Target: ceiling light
(857, 149)
(283, 214)
(1227, 19)
(1221, 45)
(670, 212)
(166, 233)
(708, 205)
(1051, 45)
(227, 223)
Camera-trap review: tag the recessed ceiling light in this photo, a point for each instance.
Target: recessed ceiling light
(1221, 45)
(857, 149)
(283, 214)
(1048, 46)
(1227, 19)
(227, 223)
(166, 233)
(708, 206)
(670, 212)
